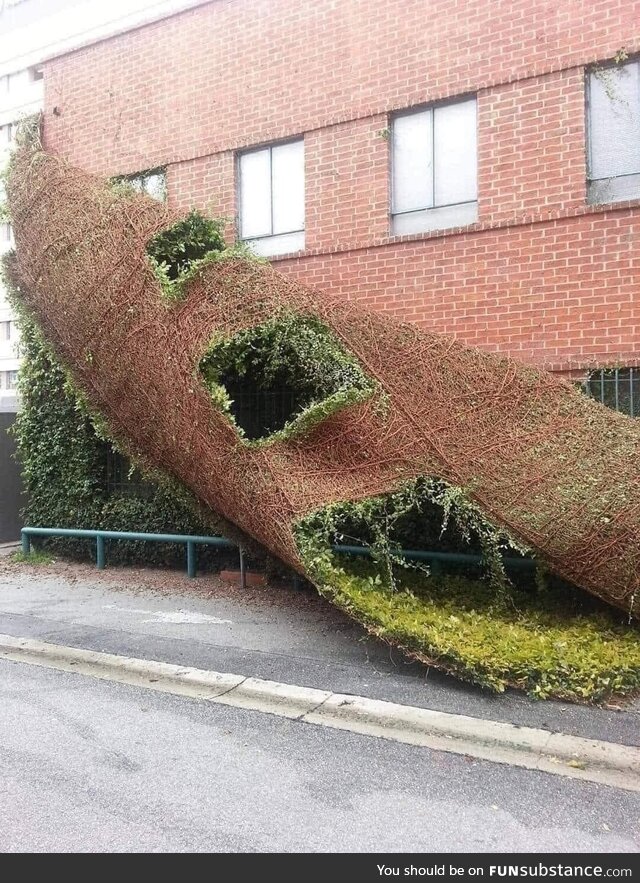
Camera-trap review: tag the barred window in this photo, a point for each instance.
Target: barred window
(617, 388)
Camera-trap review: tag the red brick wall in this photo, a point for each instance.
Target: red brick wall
(541, 276)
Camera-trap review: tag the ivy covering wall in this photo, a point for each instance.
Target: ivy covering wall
(64, 464)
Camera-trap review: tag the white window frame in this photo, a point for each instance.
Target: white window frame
(616, 188)
(273, 243)
(435, 216)
(6, 329)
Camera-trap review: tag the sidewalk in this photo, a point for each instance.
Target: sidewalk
(274, 632)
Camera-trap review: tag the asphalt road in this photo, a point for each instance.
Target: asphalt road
(297, 638)
(96, 766)
(89, 765)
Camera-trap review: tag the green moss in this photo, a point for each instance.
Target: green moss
(544, 643)
(536, 633)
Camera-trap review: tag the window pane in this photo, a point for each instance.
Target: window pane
(155, 186)
(270, 246)
(412, 162)
(255, 194)
(287, 169)
(614, 110)
(455, 153)
(436, 218)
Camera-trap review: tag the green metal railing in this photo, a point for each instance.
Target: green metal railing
(101, 536)
(192, 542)
(438, 558)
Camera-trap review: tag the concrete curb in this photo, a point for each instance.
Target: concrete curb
(591, 760)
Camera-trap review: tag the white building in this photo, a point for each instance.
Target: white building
(30, 32)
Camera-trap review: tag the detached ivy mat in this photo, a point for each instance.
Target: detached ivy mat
(537, 640)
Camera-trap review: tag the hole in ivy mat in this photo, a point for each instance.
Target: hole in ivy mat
(283, 376)
(523, 629)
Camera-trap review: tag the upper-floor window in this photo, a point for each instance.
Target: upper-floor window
(271, 197)
(153, 183)
(7, 135)
(8, 380)
(6, 330)
(434, 165)
(613, 121)
(5, 232)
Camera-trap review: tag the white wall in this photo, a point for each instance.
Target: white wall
(30, 32)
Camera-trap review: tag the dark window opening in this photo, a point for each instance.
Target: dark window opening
(617, 388)
(274, 373)
(121, 479)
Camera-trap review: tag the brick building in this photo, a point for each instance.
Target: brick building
(470, 166)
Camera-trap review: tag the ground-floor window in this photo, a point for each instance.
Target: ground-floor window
(617, 388)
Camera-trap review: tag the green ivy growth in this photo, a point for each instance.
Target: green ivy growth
(178, 253)
(177, 248)
(550, 644)
(63, 454)
(537, 633)
(291, 354)
(426, 513)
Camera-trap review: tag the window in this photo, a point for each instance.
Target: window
(36, 73)
(153, 183)
(5, 330)
(9, 380)
(5, 232)
(613, 122)
(434, 168)
(617, 388)
(272, 198)
(16, 82)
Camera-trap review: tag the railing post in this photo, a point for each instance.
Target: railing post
(243, 569)
(100, 552)
(191, 560)
(26, 543)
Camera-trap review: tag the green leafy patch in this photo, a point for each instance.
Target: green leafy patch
(526, 629)
(542, 642)
(283, 377)
(179, 253)
(36, 556)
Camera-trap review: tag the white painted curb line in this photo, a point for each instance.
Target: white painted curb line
(592, 760)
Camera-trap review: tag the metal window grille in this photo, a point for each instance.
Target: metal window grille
(617, 388)
(120, 479)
